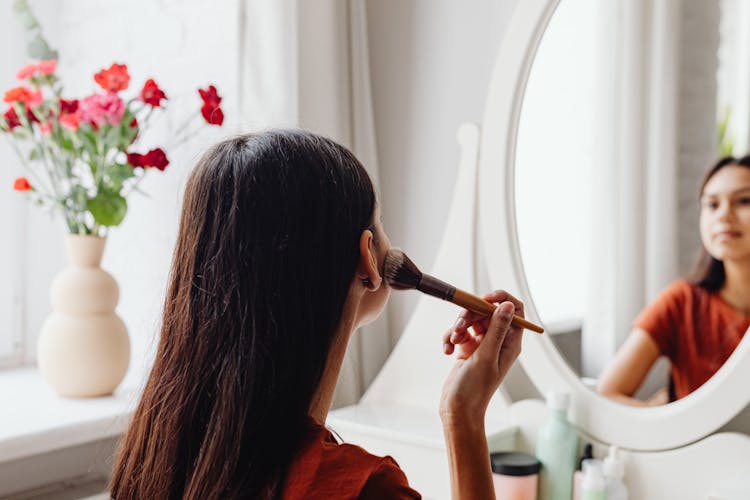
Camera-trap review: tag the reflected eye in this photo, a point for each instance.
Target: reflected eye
(745, 200)
(710, 204)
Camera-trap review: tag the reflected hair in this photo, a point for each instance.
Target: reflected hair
(266, 252)
(709, 272)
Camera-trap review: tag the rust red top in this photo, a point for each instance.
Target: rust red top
(697, 330)
(325, 469)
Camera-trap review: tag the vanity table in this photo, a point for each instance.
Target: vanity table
(682, 450)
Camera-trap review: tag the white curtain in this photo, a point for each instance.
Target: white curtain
(657, 107)
(305, 63)
(634, 221)
(734, 71)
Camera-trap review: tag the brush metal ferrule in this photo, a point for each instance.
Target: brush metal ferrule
(437, 288)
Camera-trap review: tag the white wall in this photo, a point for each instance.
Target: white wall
(430, 64)
(196, 46)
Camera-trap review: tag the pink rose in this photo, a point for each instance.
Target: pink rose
(45, 128)
(99, 109)
(43, 68)
(47, 67)
(26, 72)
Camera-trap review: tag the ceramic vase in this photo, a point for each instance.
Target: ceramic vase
(83, 348)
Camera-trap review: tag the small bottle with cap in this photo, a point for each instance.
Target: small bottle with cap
(614, 472)
(588, 452)
(593, 486)
(557, 449)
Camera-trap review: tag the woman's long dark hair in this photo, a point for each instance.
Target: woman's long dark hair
(709, 272)
(266, 252)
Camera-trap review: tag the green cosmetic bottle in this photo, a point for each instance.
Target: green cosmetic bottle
(557, 450)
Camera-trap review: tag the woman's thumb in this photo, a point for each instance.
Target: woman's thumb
(496, 331)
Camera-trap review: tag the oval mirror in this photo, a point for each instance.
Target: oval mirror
(600, 122)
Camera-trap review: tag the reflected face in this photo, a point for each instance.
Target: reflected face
(725, 214)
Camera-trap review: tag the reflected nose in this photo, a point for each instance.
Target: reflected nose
(724, 212)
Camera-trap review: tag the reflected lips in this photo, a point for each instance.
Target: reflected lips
(727, 235)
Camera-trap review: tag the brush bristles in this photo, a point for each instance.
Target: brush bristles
(400, 272)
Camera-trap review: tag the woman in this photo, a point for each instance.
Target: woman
(278, 260)
(697, 324)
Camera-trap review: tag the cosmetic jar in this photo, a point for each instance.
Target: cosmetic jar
(515, 475)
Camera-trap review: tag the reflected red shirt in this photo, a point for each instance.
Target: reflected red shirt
(695, 329)
(325, 469)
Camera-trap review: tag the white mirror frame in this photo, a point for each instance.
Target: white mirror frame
(646, 429)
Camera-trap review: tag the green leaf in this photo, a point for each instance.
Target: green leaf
(66, 143)
(78, 198)
(127, 133)
(38, 48)
(108, 208)
(726, 142)
(23, 12)
(111, 137)
(117, 174)
(88, 138)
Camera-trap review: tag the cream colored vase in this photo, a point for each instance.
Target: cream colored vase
(83, 348)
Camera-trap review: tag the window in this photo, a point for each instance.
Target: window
(12, 210)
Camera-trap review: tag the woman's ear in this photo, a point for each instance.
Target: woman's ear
(367, 269)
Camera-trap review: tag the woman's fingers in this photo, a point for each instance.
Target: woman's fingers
(499, 296)
(447, 344)
(496, 332)
(460, 334)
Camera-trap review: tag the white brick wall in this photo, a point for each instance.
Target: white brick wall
(697, 141)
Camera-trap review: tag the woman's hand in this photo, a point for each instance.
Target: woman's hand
(483, 358)
(485, 349)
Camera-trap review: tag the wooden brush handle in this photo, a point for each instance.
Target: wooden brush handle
(481, 306)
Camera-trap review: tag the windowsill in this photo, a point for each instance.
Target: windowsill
(35, 420)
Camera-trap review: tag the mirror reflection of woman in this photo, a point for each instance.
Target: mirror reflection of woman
(696, 324)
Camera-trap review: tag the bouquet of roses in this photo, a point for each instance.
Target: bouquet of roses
(82, 155)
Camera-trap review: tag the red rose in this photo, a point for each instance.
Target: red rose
(31, 116)
(137, 160)
(210, 109)
(157, 158)
(114, 79)
(212, 114)
(12, 119)
(154, 158)
(22, 184)
(152, 94)
(68, 106)
(210, 96)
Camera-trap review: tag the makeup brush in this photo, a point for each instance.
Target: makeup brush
(402, 274)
